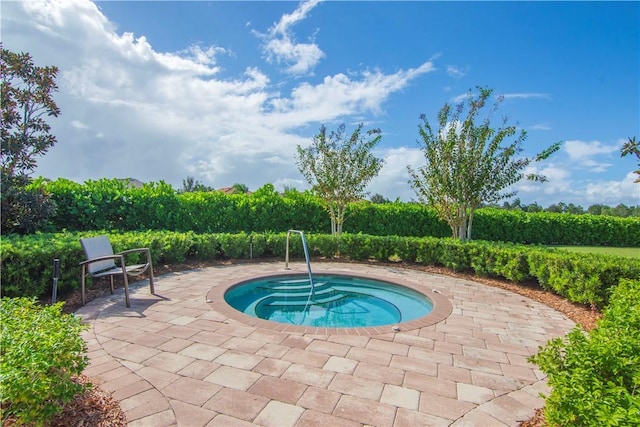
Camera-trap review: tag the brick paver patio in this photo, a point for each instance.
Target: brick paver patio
(182, 357)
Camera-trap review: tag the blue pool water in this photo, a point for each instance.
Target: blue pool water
(339, 301)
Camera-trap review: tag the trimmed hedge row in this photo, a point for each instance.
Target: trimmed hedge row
(111, 205)
(595, 376)
(27, 261)
(548, 228)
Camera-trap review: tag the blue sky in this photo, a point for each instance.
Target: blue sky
(225, 91)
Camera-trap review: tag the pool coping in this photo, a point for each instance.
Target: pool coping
(442, 308)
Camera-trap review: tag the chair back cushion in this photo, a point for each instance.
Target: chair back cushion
(95, 247)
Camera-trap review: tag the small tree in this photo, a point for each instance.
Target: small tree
(26, 100)
(534, 207)
(632, 147)
(339, 168)
(379, 199)
(467, 164)
(190, 185)
(238, 188)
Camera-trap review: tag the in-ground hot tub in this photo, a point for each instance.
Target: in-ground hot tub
(340, 303)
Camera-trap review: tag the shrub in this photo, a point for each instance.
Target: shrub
(325, 245)
(595, 377)
(454, 254)
(24, 209)
(206, 246)
(41, 350)
(27, 263)
(500, 260)
(234, 245)
(581, 278)
(427, 252)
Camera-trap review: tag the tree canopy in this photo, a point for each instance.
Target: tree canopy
(27, 101)
(632, 147)
(339, 168)
(239, 188)
(469, 162)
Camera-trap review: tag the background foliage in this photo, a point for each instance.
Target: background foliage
(113, 205)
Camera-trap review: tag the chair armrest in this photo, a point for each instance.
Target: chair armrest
(137, 250)
(128, 251)
(101, 258)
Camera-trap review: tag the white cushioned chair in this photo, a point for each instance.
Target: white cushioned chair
(101, 262)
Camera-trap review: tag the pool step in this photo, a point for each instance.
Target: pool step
(271, 302)
(292, 293)
(293, 285)
(289, 297)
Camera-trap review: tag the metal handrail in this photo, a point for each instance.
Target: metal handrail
(306, 256)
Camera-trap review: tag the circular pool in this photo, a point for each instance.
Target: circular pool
(334, 301)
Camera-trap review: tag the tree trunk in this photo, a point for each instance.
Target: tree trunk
(332, 214)
(454, 230)
(340, 219)
(462, 226)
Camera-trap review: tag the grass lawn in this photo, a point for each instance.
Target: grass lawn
(628, 252)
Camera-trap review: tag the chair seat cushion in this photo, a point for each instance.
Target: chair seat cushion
(118, 270)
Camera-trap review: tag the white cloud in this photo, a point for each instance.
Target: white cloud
(78, 125)
(557, 180)
(280, 45)
(563, 186)
(341, 95)
(590, 155)
(393, 179)
(302, 57)
(456, 72)
(581, 150)
(163, 116)
(205, 56)
(525, 95)
(460, 98)
(612, 193)
(463, 97)
(540, 126)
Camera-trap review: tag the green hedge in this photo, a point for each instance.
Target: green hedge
(27, 261)
(111, 205)
(394, 219)
(595, 377)
(547, 228)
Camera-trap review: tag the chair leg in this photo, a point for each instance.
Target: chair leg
(84, 275)
(111, 277)
(126, 290)
(152, 287)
